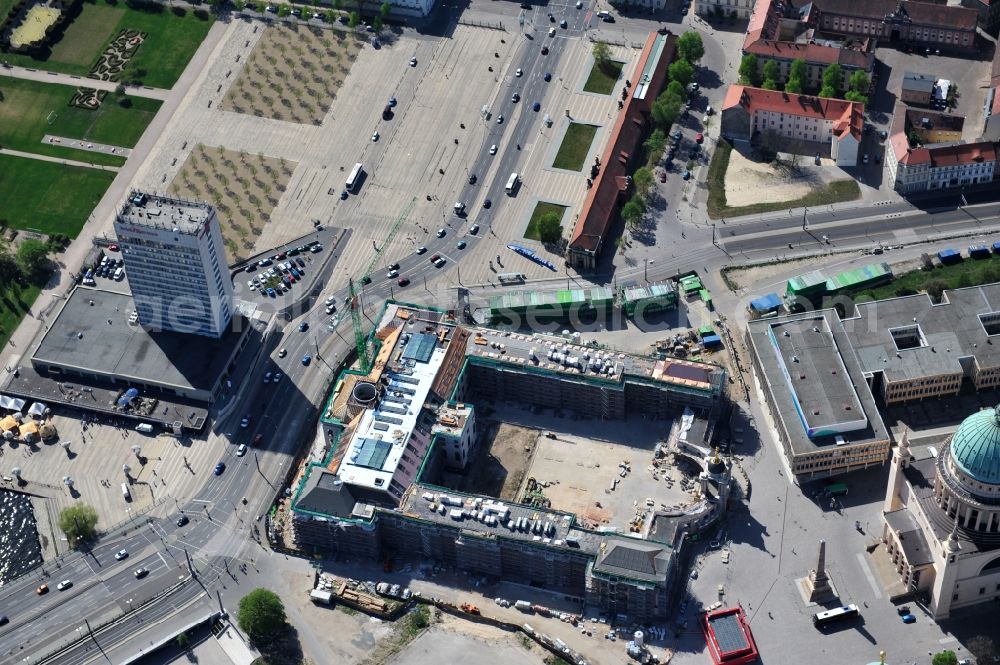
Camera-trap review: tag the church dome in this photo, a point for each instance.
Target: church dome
(975, 448)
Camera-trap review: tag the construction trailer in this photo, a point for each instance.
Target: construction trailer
(949, 256)
(551, 306)
(809, 285)
(656, 297)
(865, 277)
(765, 305)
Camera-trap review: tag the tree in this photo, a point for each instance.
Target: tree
(354, 20)
(833, 75)
(642, 180)
(550, 228)
(689, 47)
(384, 9)
(261, 615)
(945, 658)
(983, 648)
(681, 71)
(827, 91)
(8, 266)
(632, 212)
(772, 71)
(284, 10)
(676, 89)
(859, 82)
(78, 522)
(748, 70)
(602, 55)
(852, 96)
(654, 145)
(935, 288)
(666, 110)
(377, 24)
(796, 77)
(33, 259)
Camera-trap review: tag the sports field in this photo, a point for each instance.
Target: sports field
(171, 41)
(49, 197)
(25, 107)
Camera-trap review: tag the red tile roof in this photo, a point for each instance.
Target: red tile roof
(920, 13)
(814, 53)
(600, 206)
(848, 117)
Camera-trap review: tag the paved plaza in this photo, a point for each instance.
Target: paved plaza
(415, 146)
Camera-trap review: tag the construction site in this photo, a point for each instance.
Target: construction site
(429, 449)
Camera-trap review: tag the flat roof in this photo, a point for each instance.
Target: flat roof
(728, 633)
(814, 369)
(553, 353)
(164, 212)
(93, 334)
(786, 405)
(950, 331)
(374, 452)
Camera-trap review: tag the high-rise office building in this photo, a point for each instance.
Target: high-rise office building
(176, 264)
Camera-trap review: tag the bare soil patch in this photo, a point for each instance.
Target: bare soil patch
(501, 461)
(749, 182)
(244, 189)
(293, 73)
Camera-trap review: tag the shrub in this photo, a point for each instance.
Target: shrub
(178, 11)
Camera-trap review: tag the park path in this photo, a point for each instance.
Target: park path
(76, 81)
(58, 160)
(100, 220)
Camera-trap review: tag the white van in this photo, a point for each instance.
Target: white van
(119, 274)
(125, 493)
(145, 428)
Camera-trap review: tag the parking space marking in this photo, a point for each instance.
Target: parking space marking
(868, 575)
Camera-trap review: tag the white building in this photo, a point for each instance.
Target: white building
(755, 114)
(176, 264)
(942, 516)
(455, 429)
(720, 8)
(926, 168)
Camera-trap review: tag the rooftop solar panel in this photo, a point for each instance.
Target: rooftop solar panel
(372, 453)
(420, 347)
(728, 633)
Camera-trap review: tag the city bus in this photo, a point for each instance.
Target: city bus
(837, 614)
(352, 180)
(512, 184)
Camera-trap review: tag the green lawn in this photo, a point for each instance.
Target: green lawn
(603, 82)
(541, 208)
(5, 6)
(164, 54)
(25, 106)
(839, 190)
(15, 302)
(970, 272)
(49, 197)
(575, 146)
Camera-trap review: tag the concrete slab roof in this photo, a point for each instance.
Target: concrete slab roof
(93, 334)
(949, 332)
(787, 406)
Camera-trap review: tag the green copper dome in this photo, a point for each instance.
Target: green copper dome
(976, 446)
